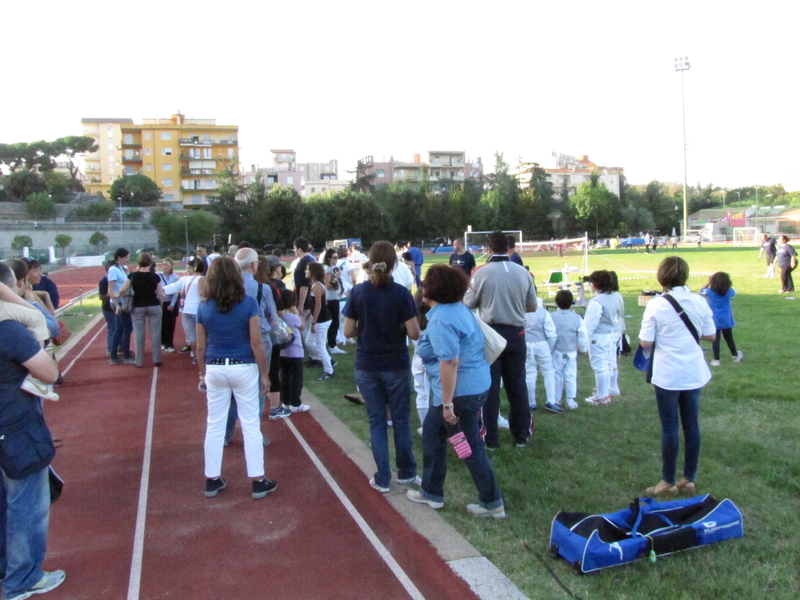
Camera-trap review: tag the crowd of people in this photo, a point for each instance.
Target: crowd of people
(254, 341)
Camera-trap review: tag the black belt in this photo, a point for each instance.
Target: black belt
(226, 361)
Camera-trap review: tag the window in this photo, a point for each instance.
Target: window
(206, 138)
(380, 173)
(148, 151)
(166, 183)
(169, 197)
(473, 173)
(230, 152)
(194, 153)
(313, 190)
(290, 179)
(129, 153)
(128, 138)
(196, 198)
(166, 135)
(195, 184)
(147, 135)
(230, 138)
(148, 167)
(166, 151)
(167, 167)
(110, 128)
(206, 152)
(110, 145)
(209, 184)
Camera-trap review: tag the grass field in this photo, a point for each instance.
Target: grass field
(597, 459)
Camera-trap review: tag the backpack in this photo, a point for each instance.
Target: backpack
(280, 333)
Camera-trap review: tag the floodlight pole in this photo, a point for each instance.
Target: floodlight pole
(682, 64)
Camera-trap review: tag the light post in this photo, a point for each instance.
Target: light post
(682, 64)
(120, 216)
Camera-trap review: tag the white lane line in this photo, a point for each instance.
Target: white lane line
(134, 583)
(405, 581)
(85, 348)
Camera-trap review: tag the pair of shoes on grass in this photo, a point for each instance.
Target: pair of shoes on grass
(476, 510)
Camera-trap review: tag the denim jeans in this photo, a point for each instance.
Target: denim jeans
(122, 335)
(434, 451)
(393, 389)
(25, 510)
(672, 405)
(510, 367)
(153, 316)
(111, 323)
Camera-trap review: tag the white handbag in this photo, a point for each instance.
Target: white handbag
(493, 342)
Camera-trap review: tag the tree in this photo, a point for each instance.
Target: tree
(40, 206)
(226, 202)
(62, 241)
(98, 240)
(96, 211)
(21, 241)
(23, 183)
(173, 228)
(35, 155)
(136, 190)
(73, 147)
(595, 205)
(362, 182)
(58, 184)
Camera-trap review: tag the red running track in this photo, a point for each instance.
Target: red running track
(299, 542)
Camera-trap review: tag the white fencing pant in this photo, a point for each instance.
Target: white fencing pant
(307, 319)
(422, 385)
(340, 339)
(613, 379)
(601, 355)
(566, 368)
(243, 382)
(317, 343)
(539, 355)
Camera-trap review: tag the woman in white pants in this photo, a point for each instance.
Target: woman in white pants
(232, 361)
(603, 313)
(317, 339)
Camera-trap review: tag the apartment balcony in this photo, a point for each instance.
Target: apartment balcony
(131, 145)
(188, 186)
(200, 172)
(92, 169)
(210, 142)
(135, 158)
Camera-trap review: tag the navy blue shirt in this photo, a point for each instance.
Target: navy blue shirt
(516, 258)
(465, 262)
(228, 335)
(48, 285)
(381, 314)
(16, 347)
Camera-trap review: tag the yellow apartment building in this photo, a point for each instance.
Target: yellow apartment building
(183, 156)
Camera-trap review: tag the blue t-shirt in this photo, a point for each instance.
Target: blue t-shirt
(416, 255)
(228, 335)
(16, 347)
(452, 332)
(720, 307)
(381, 313)
(516, 258)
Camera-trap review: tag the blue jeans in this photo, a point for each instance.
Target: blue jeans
(434, 453)
(393, 389)
(25, 510)
(672, 405)
(111, 323)
(122, 335)
(510, 367)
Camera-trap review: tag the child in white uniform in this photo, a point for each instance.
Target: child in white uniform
(619, 331)
(603, 313)
(540, 338)
(572, 336)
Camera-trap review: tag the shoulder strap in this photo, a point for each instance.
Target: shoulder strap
(684, 317)
(260, 294)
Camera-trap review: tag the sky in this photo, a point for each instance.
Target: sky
(348, 79)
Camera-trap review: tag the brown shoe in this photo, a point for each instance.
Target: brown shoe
(356, 398)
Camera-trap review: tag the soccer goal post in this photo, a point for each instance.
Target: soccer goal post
(746, 236)
(566, 248)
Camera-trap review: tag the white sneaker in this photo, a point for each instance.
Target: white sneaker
(571, 404)
(375, 486)
(714, 363)
(39, 388)
(336, 350)
(416, 496)
(739, 356)
(419, 431)
(595, 401)
(299, 409)
(614, 393)
(416, 480)
(502, 422)
(351, 341)
(476, 510)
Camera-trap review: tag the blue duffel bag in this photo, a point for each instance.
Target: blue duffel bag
(645, 529)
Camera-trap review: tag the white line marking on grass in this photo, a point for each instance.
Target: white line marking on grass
(85, 348)
(134, 583)
(404, 580)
